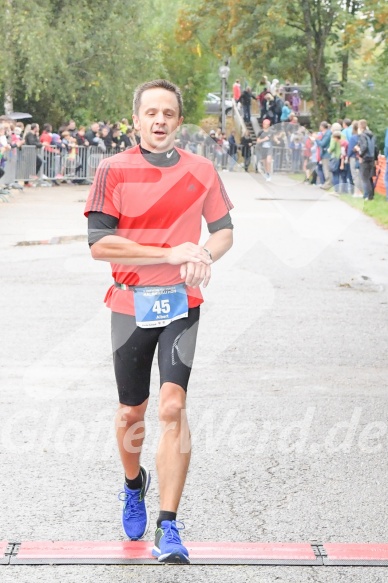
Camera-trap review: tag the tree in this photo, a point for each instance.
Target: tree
(289, 37)
(28, 49)
(76, 57)
(185, 59)
(83, 59)
(366, 90)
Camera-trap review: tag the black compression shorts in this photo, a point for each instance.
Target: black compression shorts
(134, 349)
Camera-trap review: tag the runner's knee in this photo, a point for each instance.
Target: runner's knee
(127, 415)
(170, 409)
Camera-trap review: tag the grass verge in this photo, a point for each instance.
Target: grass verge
(376, 208)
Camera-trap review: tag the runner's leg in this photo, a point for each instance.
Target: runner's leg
(176, 354)
(133, 351)
(269, 164)
(130, 433)
(173, 457)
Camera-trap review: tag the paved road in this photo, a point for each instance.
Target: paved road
(288, 400)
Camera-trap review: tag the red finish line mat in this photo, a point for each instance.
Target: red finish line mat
(202, 553)
(355, 554)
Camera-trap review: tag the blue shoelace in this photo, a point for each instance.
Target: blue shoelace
(172, 531)
(131, 503)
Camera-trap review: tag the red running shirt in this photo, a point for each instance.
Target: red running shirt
(162, 207)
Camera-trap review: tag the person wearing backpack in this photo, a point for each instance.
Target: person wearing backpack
(368, 155)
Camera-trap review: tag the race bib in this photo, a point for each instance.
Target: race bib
(159, 306)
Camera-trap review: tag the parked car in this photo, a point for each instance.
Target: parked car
(213, 104)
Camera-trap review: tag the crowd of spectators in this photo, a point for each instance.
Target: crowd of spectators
(340, 156)
(343, 158)
(57, 151)
(276, 102)
(226, 150)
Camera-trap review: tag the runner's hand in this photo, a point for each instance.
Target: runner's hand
(196, 273)
(188, 252)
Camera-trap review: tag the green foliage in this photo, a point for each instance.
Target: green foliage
(284, 39)
(298, 39)
(83, 59)
(369, 102)
(77, 58)
(28, 49)
(185, 63)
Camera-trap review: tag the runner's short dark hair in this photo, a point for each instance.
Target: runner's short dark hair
(156, 84)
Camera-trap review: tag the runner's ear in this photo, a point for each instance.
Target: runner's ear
(136, 122)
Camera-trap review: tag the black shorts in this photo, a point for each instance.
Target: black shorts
(134, 349)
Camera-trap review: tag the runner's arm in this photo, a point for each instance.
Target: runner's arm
(219, 243)
(220, 240)
(116, 249)
(105, 245)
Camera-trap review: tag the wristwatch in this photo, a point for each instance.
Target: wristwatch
(208, 252)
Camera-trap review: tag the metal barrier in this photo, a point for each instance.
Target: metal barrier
(76, 163)
(45, 165)
(282, 159)
(29, 162)
(10, 165)
(49, 163)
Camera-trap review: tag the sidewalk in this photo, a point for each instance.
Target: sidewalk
(287, 401)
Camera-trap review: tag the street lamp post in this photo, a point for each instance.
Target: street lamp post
(224, 71)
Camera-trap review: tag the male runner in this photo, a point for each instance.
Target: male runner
(144, 216)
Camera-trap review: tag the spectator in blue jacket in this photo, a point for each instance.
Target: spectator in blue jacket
(347, 129)
(324, 155)
(286, 112)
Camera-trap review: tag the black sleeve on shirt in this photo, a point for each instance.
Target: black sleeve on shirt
(100, 225)
(223, 223)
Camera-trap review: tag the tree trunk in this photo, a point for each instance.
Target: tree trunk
(8, 101)
(351, 8)
(322, 109)
(8, 48)
(316, 37)
(8, 98)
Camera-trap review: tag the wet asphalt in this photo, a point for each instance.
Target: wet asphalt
(287, 401)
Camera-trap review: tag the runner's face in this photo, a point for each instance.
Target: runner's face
(158, 119)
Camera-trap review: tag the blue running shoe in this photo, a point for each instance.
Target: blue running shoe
(135, 517)
(168, 545)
